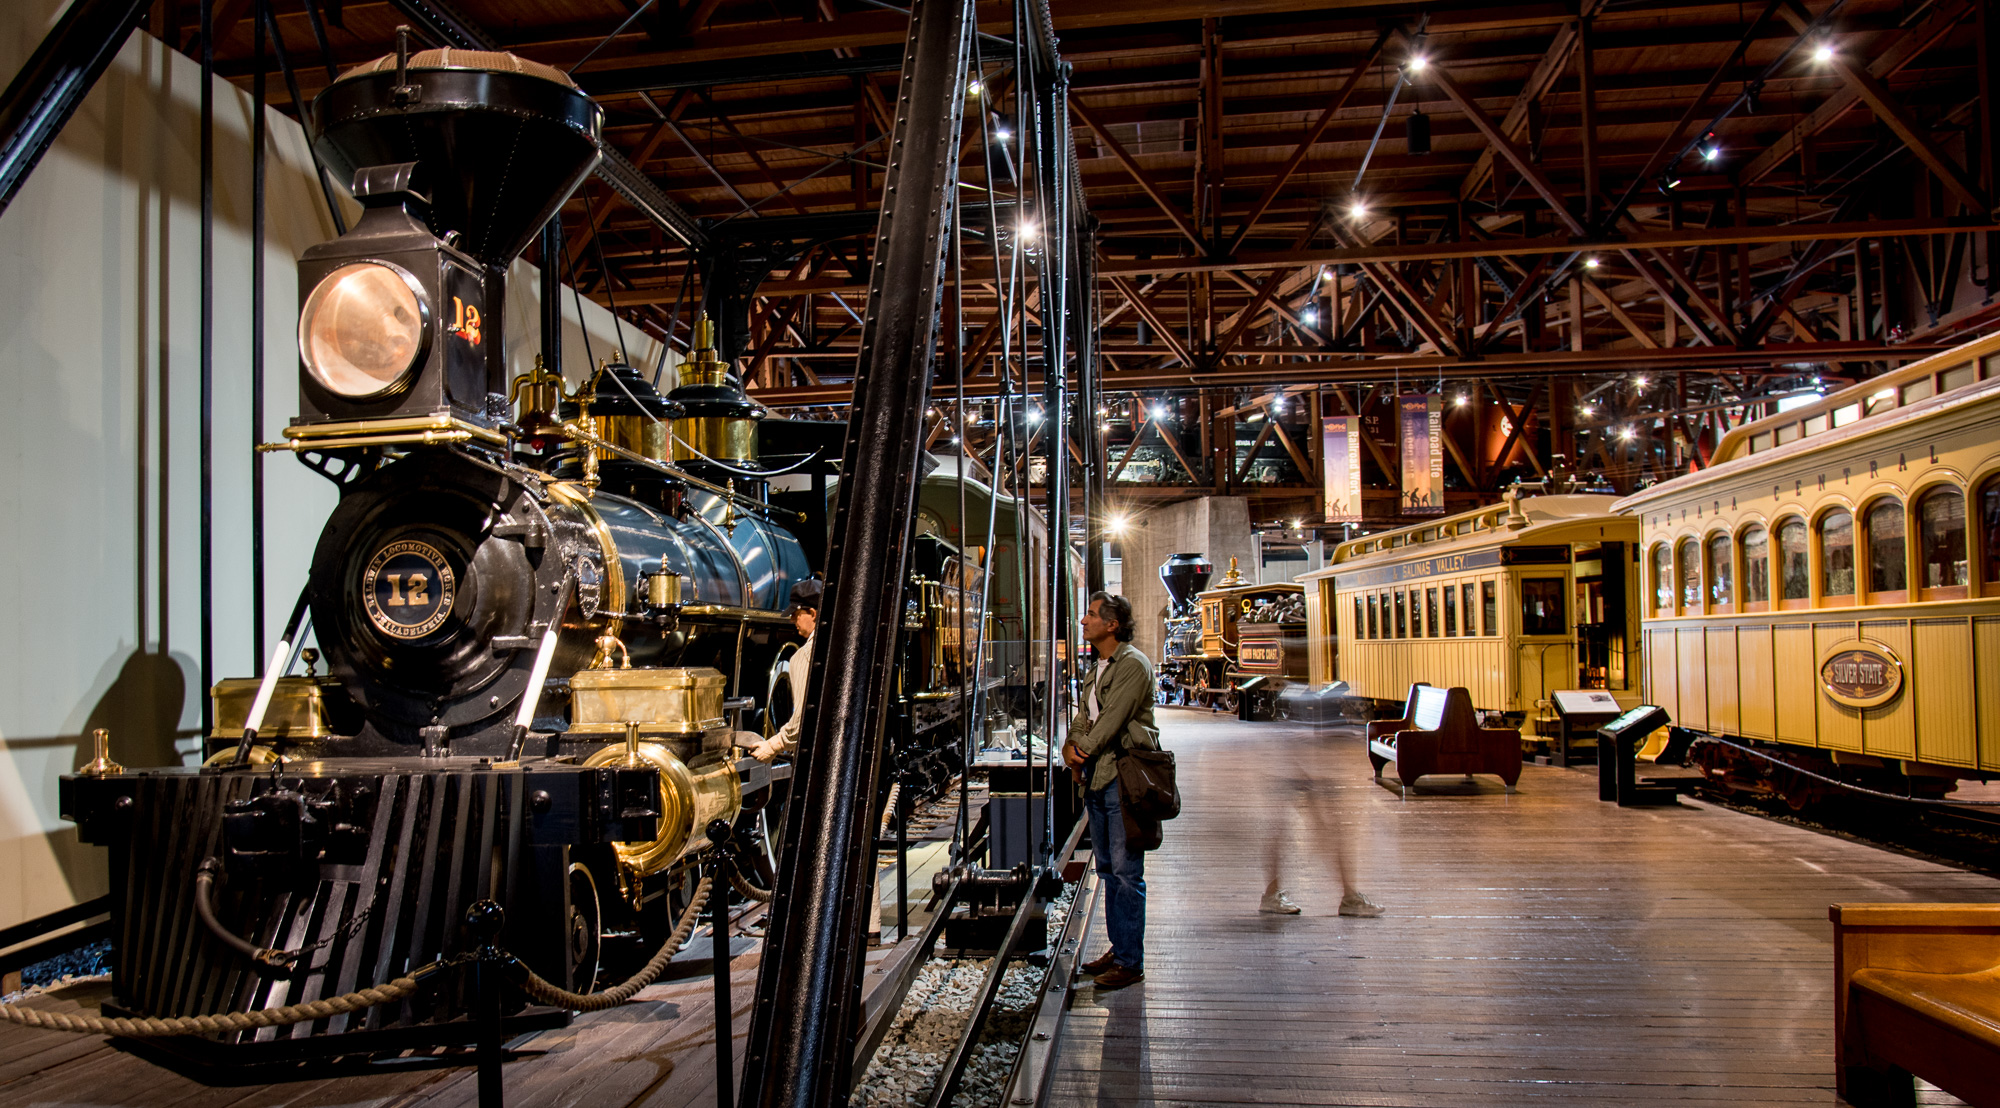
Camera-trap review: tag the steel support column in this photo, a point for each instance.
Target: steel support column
(47, 90)
(803, 1026)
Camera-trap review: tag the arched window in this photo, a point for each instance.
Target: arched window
(1690, 558)
(1794, 568)
(1721, 573)
(1836, 554)
(1941, 538)
(1989, 529)
(1886, 572)
(1756, 566)
(1663, 579)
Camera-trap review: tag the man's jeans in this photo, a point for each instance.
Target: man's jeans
(1124, 877)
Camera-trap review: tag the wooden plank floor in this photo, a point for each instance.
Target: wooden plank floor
(657, 1052)
(1539, 948)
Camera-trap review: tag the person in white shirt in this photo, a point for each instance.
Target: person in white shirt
(805, 616)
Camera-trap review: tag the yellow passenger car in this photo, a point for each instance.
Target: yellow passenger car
(1513, 602)
(1818, 586)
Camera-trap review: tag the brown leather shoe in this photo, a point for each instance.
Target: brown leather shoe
(1098, 964)
(1117, 977)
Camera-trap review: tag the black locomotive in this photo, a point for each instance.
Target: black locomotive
(546, 625)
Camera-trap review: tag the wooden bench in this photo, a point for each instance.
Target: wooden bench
(1440, 733)
(1916, 991)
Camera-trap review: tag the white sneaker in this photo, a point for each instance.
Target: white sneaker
(1355, 904)
(1278, 904)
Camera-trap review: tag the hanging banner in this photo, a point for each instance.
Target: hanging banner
(1422, 426)
(1340, 454)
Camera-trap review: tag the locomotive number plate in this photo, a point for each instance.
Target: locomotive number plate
(408, 589)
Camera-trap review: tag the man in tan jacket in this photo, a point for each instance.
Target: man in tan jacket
(1117, 711)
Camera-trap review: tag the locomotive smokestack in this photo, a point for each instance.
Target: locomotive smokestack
(500, 142)
(461, 157)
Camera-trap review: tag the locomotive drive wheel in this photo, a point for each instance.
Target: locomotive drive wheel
(585, 930)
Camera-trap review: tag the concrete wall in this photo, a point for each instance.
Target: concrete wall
(1218, 526)
(99, 352)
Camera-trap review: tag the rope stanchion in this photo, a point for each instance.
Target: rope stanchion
(746, 890)
(549, 993)
(147, 1028)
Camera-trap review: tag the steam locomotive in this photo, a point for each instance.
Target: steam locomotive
(1236, 647)
(547, 620)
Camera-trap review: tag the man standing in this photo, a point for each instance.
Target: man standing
(805, 616)
(1117, 711)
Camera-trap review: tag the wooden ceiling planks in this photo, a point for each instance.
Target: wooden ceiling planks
(1298, 90)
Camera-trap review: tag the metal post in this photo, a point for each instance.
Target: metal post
(305, 118)
(721, 857)
(45, 93)
(484, 920)
(903, 856)
(207, 567)
(257, 96)
(552, 318)
(806, 1018)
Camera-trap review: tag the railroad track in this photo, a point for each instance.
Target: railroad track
(948, 1029)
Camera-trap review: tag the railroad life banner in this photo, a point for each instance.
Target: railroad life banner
(1340, 454)
(1422, 424)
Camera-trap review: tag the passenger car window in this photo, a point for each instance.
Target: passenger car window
(1450, 611)
(1663, 578)
(1989, 523)
(1690, 559)
(1885, 547)
(1792, 562)
(1836, 554)
(1431, 612)
(1542, 606)
(1489, 609)
(1721, 571)
(1941, 537)
(1756, 566)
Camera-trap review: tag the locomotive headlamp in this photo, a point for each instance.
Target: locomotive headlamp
(364, 329)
